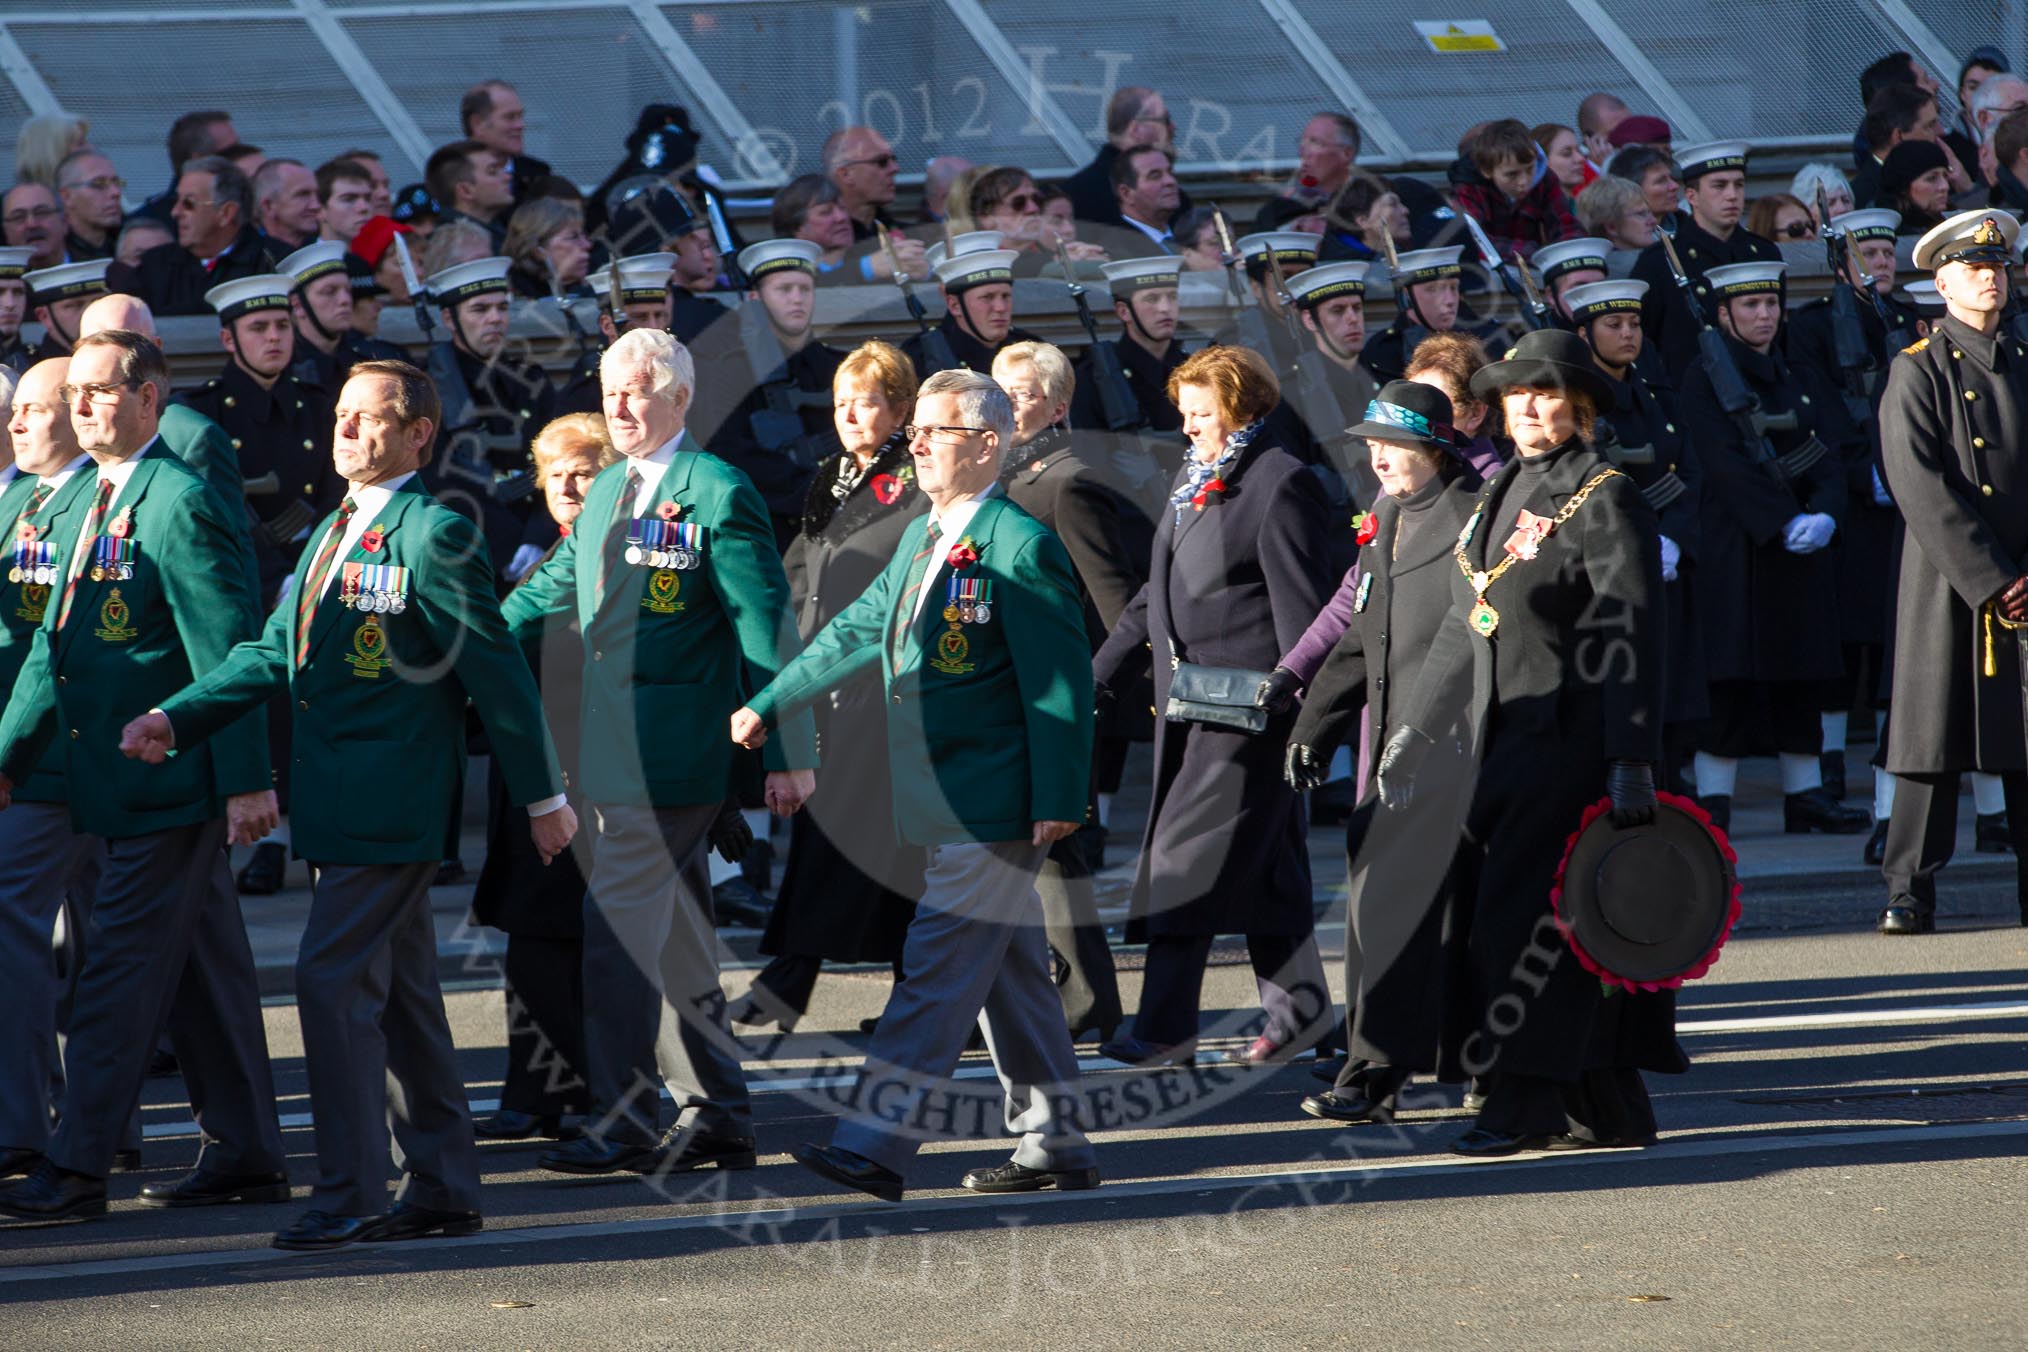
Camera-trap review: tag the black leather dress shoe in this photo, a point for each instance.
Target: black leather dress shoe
(1831, 766)
(318, 1230)
(1875, 853)
(1482, 1144)
(1815, 810)
(589, 1155)
(681, 1151)
(1342, 1108)
(1991, 834)
(202, 1187)
(409, 1221)
(1012, 1177)
(1718, 807)
(262, 876)
(53, 1194)
(850, 1170)
(1132, 1051)
(1903, 916)
(508, 1125)
(18, 1160)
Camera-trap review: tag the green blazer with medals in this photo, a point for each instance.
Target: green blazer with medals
(24, 600)
(130, 643)
(671, 653)
(378, 763)
(989, 722)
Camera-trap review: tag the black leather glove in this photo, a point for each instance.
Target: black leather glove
(1631, 787)
(1102, 700)
(730, 835)
(1303, 766)
(1400, 759)
(1277, 691)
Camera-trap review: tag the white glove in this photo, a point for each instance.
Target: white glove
(1671, 556)
(1880, 497)
(1808, 533)
(525, 558)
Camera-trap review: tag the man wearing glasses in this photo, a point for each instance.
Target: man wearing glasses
(147, 591)
(861, 162)
(215, 242)
(90, 188)
(1135, 116)
(32, 220)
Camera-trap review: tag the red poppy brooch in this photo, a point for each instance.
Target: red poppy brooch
(373, 539)
(1203, 495)
(1366, 525)
(963, 554)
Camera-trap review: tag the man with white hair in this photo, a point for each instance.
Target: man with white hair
(978, 630)
(1996, 98)
(684, 607)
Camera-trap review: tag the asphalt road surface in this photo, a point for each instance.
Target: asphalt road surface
(1846, 1165)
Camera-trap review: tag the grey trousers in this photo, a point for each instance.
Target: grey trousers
(377, 1044)
(42, 864)
(1922, 831)
(654, 1010)
(975, 952)
(166, 943)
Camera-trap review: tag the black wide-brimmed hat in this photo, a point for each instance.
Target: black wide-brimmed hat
(1551, 359)
(1409, 412)
(1647, 907)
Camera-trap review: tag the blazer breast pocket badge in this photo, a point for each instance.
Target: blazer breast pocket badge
(368, 657)
(114, 617)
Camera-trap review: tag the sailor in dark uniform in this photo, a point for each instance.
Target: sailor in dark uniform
(1327, 390)
(660, 219)
(14, 354)
(1266, 325)
(1565, 264)
(1142, 458)
(1707, 235)
(979, 300)
(59, 296)
(327, 346)
(644, 293)
(1425, 302)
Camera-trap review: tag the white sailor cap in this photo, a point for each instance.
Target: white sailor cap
(779, 255)
(1871, 223)
(67, 281)
(312, 261)
(1923, 295)
(14, 262)
(1142, 274)
(1709, 157)
(1983, 236)
(982, 268)
(1589, 300)
(1745, 279)
(1327, 281)
(244, 295)
(643, 277)
(1570, 255)
(455, 285)
(1429, 265)
(1291, 248)
(966, 242)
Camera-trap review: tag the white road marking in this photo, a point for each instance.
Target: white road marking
(766, 1223)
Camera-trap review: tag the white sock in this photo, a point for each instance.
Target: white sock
(1801, 772)
(1716, 775)
(280, 835)
(1834, 730)
(1988, 794)
(1105, 808)
(1883, 795)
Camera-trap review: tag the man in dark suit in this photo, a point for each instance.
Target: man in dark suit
(979, 633)
(492, 114)
(150, 592)
(216, 242)
(390, 629)
(1135, 115)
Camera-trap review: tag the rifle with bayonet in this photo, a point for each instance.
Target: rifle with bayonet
(1405, 316)
(1729, 387)
(936, 349)
(1537, 306)
(1286, 299)
(1117, 404)
(1248, 321)
(1533, 313)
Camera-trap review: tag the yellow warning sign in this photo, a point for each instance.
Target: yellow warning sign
(1447, 37)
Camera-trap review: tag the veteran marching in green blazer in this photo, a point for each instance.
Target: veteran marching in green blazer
(978, 628)
(684, 609)
(390, 628)
(146, 592)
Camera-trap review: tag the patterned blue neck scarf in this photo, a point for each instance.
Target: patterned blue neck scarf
(1202, 471)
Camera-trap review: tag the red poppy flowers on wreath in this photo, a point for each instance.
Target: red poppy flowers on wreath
(1368, 526)
(962, 555)
(886, 489)
(372, 540)
(667, 511)
(1204, 494)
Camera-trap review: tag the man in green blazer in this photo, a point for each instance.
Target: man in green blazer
(43, 863)
(978, 627)
(146, 593)
(390, 628)
(680, 595)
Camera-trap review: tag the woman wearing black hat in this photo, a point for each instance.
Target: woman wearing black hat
(1395, 983)
(1915, 180)
(1552, 656)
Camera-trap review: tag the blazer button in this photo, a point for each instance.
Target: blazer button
(1380, 683)
(897, 699)
(1971, 396)
(63, 680)
(73, 734)
(302, 704)
(1987, 489)
(1383, 636)
(1979, 443)
(309, 445)
(598, 656)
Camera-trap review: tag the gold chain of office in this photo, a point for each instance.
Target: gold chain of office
(1482, 618)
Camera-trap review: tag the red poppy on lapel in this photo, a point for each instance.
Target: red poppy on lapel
(962, 554)
(667, 511)
(373, 539)
(1204, 494)
(1366, 526)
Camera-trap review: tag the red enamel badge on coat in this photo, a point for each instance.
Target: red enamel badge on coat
(1205, 494)
(886, 489)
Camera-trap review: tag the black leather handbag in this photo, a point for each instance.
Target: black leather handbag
(1220, 697)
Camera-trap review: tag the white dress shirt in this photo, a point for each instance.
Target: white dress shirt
(951, 521)
(651, 467)
(57, 480)
(368, 502)
(1164, 240)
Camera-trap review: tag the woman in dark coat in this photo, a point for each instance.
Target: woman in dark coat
(1239, 571)
(542, 909)
(1552, 654)
(1395, 949)
(848, 890)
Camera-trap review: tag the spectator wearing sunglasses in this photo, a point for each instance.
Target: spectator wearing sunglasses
(1781, 218)
(861, 162)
